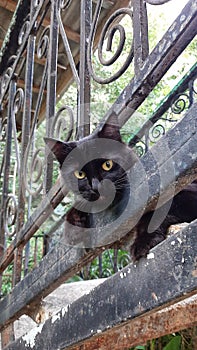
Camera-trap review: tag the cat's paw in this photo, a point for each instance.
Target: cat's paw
(138, 250)
(142, 245)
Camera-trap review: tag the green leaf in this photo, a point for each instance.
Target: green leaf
(174, 344)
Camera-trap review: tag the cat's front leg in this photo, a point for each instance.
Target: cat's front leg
(146, 240)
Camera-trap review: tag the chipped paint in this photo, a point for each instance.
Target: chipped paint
(65, 310)
(30, 337)
(123, 274)
(154, 296)
(150, 256)
(55, 317)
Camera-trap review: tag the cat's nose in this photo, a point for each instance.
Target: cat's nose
(95, 184)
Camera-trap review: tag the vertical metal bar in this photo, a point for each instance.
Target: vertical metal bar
(140, 27)
(100, 262)
(51, 88)
(25, 139)
(84, 91)
(7, 157)
(115, 260)
(8, 334)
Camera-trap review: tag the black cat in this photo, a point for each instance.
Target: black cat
(95, 169)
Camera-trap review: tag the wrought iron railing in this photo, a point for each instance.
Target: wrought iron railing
(50, 56)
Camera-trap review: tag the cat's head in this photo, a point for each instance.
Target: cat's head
(86, 164)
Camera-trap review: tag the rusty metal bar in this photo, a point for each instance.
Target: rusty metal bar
(174, 41)
(165, 277)
(51, 89)
(156, 324)
(7, 156)
(25, 138)
(23, 45)
(140, 27)
(85, 89)
(41, 214)
(8, 333)
(149, 70)
(65, 260)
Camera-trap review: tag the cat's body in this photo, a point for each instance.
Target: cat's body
(183, 209)
(95, 169)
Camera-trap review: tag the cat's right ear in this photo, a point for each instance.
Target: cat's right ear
(59, 149)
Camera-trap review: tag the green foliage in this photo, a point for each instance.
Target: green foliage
(107, 260)
(7, 280)
(168, 342)
(174, 343)
(102, 96)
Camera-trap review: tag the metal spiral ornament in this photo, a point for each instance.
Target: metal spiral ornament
(156, 132)
(109, 30)
(23, 32)
(4, 81)
(18, 100)
(43, 43)
(61, 126)
(10, 215)
(180, 104)
(33, 171)
(140, 149)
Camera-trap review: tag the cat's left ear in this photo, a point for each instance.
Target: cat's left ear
(60, 149)
(111, 129)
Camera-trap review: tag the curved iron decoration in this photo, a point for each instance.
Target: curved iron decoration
(61, 5)
(140, 148)
(3, 130)
(36, 167)
(23, 31)
(156, 132)
(180, 103)
(43, 43)
(36, 164)
(18, 100)
(4, 81)
(10, 214)
(157, 2)
(109, 30)
(60, 125)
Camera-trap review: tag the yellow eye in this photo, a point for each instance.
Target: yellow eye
(107, 165)
(80, 174)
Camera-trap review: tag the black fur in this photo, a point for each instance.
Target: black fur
(93, 189)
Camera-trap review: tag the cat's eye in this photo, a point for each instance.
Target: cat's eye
(80, 174)
(107, 165)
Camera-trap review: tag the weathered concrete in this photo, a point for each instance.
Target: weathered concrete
(53, 303)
